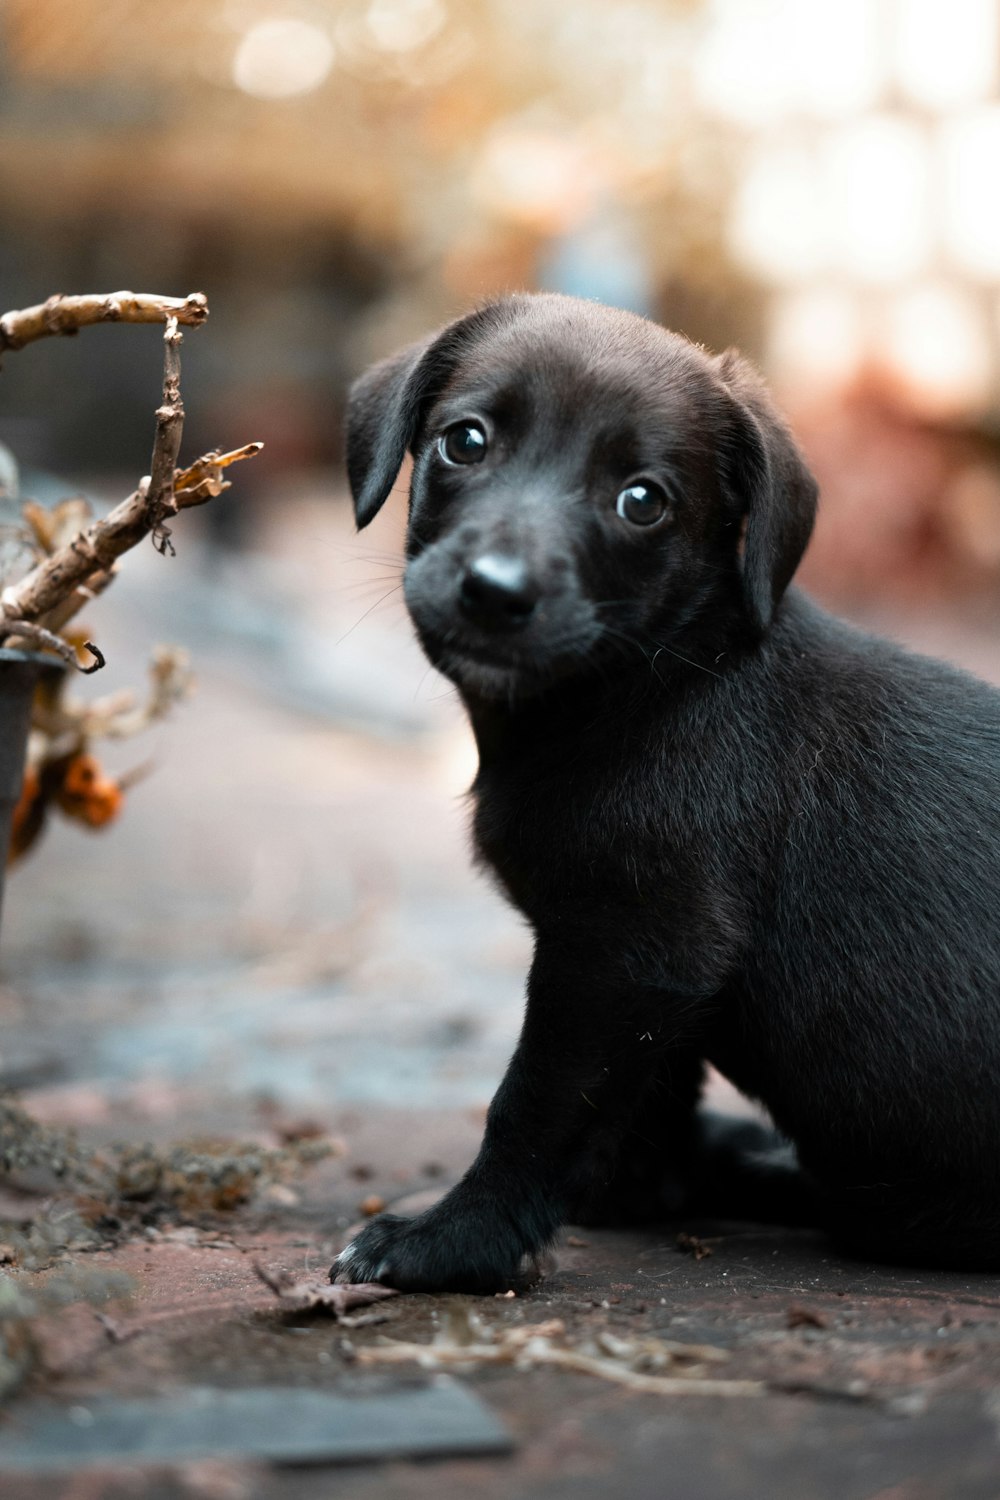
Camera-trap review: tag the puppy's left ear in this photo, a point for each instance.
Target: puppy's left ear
(768, 476)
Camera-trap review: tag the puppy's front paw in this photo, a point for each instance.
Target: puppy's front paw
(435, 1252)
(367, 1256)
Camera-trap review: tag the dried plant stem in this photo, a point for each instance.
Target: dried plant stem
(48, 596)
(167, 442)
(59, 617)
(437, 1356)
(37, 635)
(95, 549)
(67, 315)
(203, 478)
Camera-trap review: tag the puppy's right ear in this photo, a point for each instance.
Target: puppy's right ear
(385, 405)
(383, 409)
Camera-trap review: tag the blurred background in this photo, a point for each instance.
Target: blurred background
(285, 909)
(813, 180)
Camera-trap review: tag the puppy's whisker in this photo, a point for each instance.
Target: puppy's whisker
(422, 679)
(352, 552)
(361, 587)
(392, 564)
(388, 594)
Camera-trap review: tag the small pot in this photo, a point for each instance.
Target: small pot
(19, 675)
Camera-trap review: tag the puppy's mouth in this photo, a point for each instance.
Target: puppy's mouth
(501, 670)
(487, 670)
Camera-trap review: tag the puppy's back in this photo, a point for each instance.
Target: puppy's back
(872, 991)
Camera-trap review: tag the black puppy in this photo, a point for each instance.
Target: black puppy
(742, 831)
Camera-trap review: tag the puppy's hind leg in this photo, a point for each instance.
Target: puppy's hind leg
(744, 1169)
(676, 1158)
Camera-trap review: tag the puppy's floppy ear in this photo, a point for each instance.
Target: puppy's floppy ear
(767, 474)
(385, 404)
(383, 409)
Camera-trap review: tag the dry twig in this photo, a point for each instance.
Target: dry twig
(75, 558)
(60, 583)
(92, 552)
(68, 724)
(167, 442)
(632, 1363)
(56, 619)
(67, 315)
(98, 546)
(37, 635)
(203, 479)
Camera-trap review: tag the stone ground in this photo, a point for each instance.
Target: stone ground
(283, 940)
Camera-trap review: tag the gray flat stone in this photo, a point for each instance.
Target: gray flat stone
(283, 1424)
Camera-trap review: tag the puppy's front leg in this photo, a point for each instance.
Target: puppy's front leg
(590, 1044)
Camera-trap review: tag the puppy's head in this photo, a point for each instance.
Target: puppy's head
(586, 486)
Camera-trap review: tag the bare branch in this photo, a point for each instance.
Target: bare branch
(527, 1347)
(67, 315)
(167, 442)
(203, 479)
(57, 586)
(56, 619)
(36, 635)
(94, 550)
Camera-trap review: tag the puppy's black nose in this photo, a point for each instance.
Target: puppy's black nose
(497, 592)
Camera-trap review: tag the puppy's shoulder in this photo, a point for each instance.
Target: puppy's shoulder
(843, 686)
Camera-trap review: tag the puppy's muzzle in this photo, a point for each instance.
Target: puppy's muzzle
(497, 592)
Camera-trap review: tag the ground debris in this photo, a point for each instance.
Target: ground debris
(316, 1293)
(191, 1177)
(208, 1174)
(693, 1245)
(104, 1196)
(651, 1365)
(55, 1227)
(798, 1316)
(26, 1146)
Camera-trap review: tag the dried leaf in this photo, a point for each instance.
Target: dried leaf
(203, 480)
(317, 1294)
(798, 1316)
(700, 1249)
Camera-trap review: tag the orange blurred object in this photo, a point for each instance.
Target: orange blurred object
(87, 794)
(77, 785)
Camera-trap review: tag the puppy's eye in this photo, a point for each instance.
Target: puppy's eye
(643, 503)
(463, 443)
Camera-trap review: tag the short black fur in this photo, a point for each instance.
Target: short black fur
(742, 832)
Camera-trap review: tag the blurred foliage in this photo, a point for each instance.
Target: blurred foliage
(399, 139)
(445, 152)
